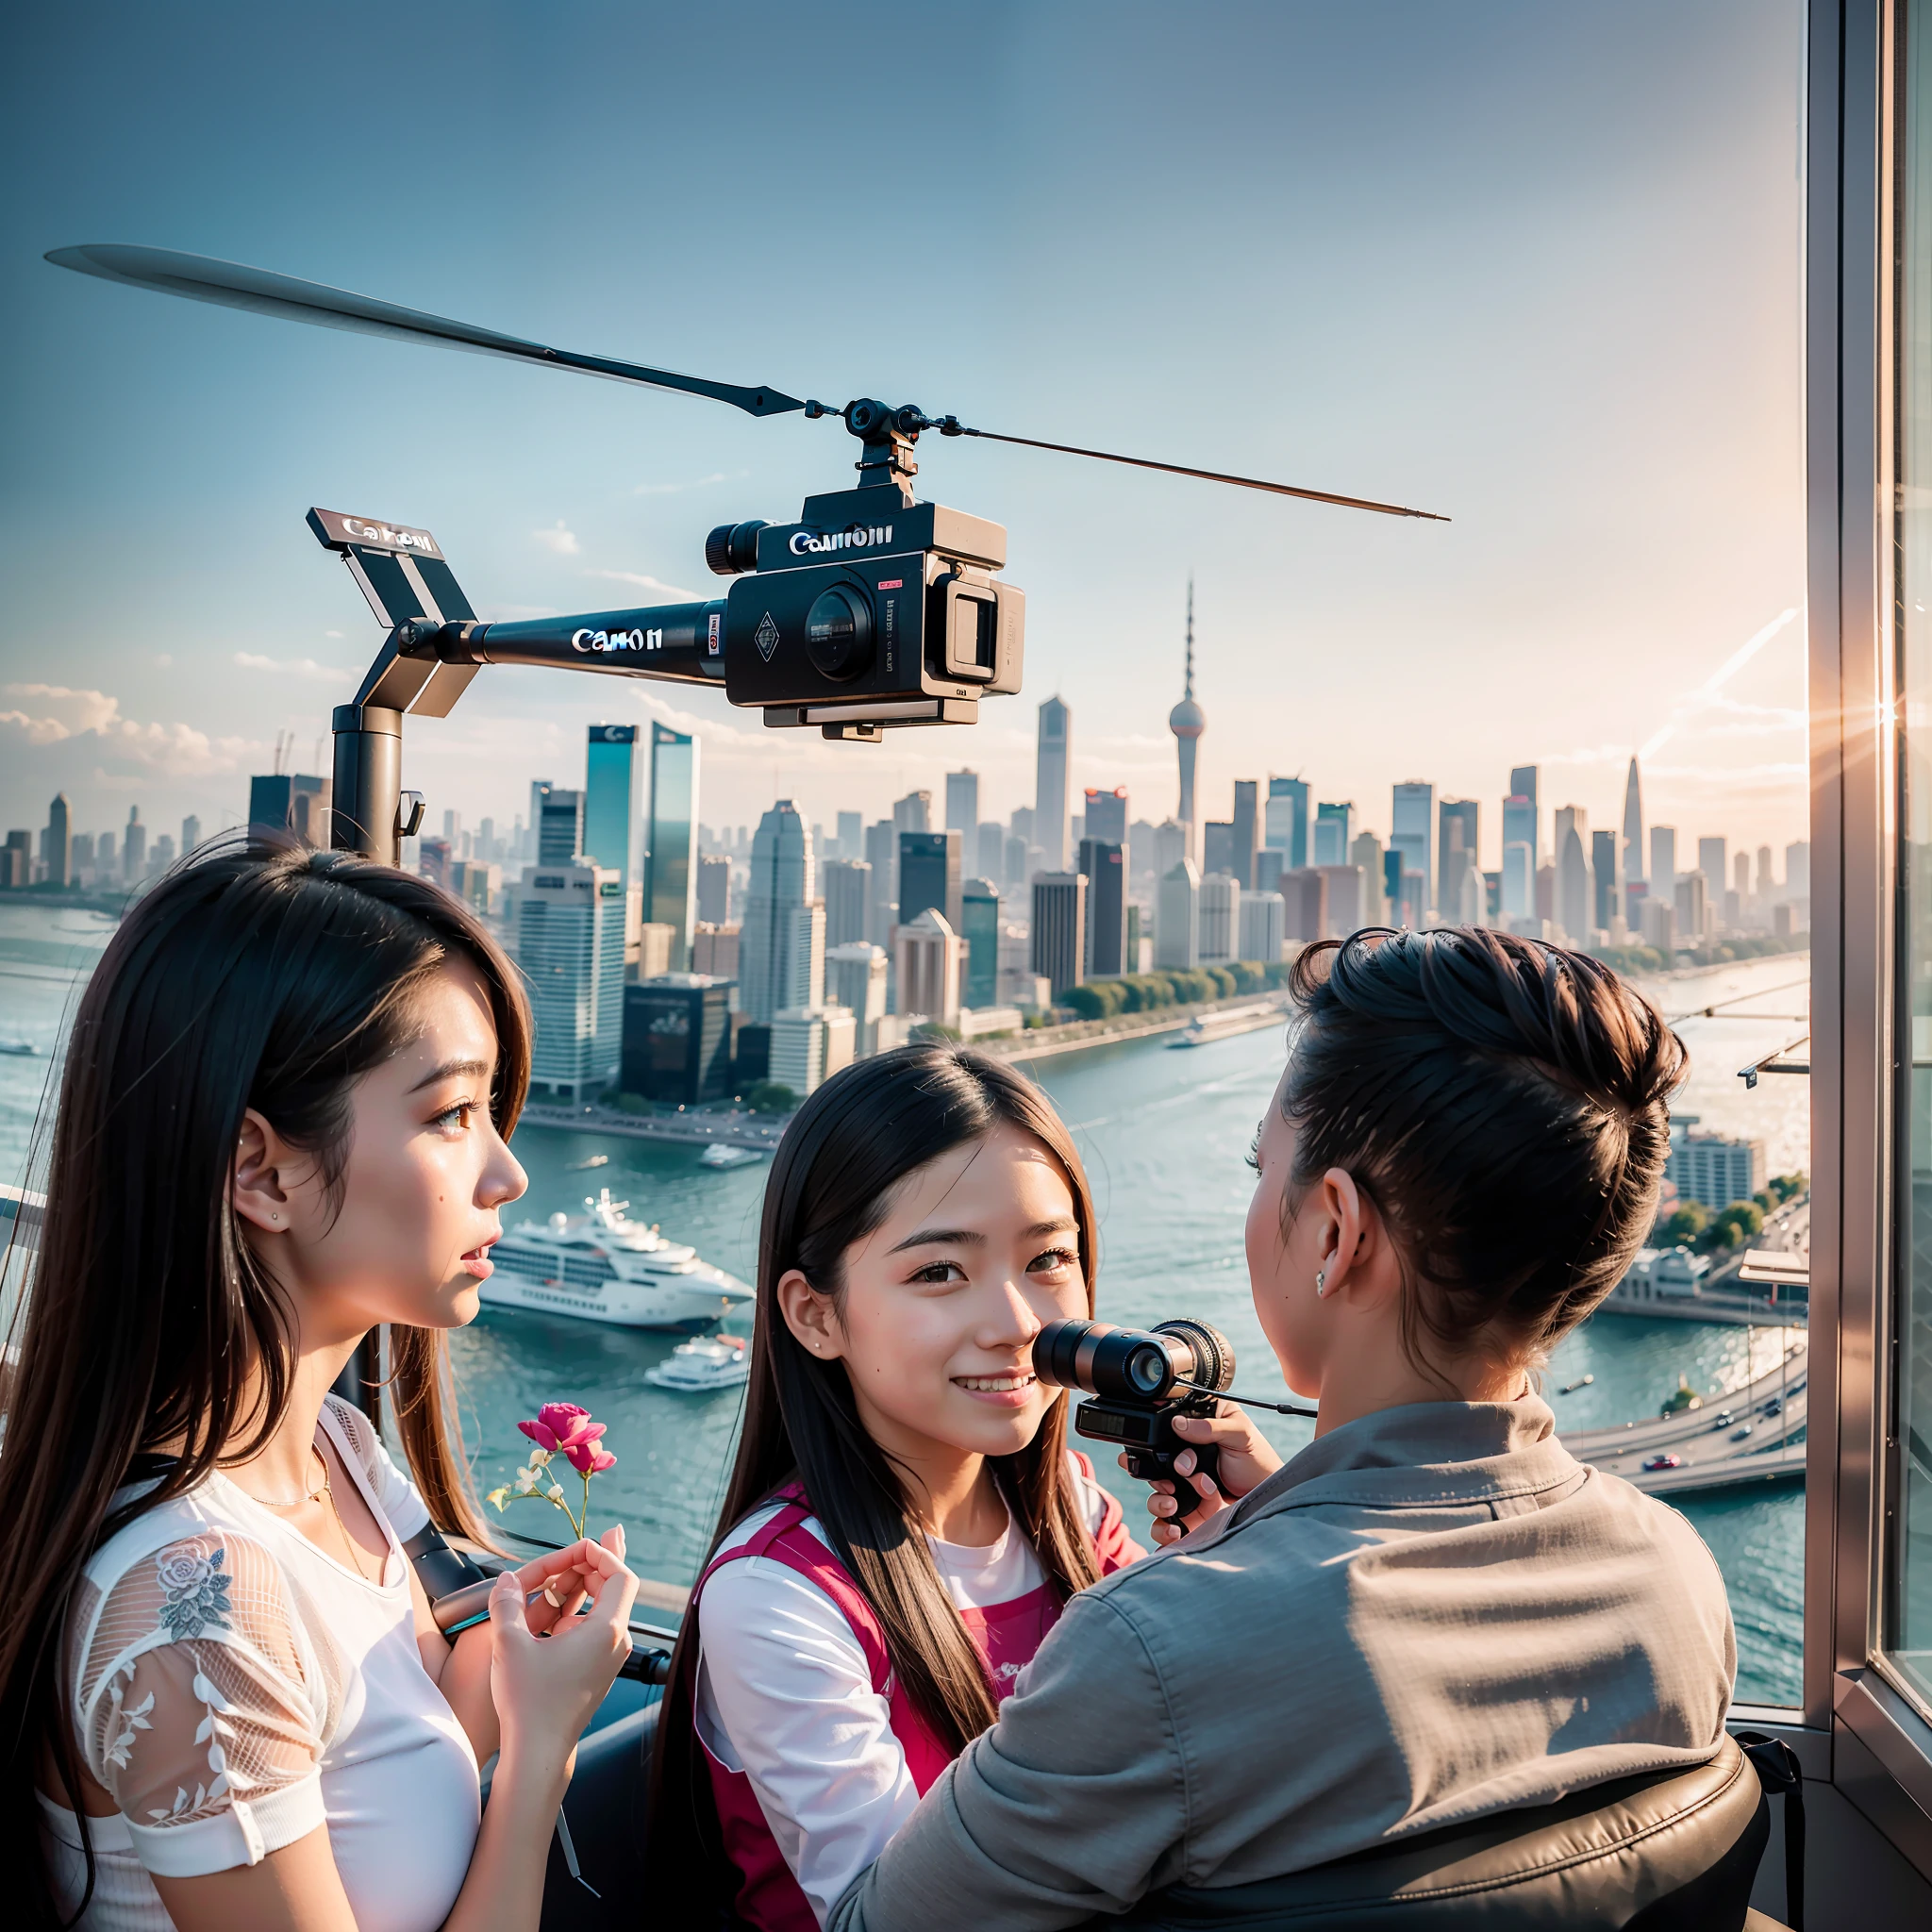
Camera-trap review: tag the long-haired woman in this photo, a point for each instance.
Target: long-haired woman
(905, 1520)
(224, 1700)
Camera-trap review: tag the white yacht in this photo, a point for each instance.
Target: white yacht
(724, 1153)
(702, 1363)
(602, 1266)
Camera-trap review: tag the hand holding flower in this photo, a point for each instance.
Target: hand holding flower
(558, 1429)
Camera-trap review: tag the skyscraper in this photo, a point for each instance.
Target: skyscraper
(1106, 816)
(1519, 848)
(1573, 879)
(614, 803)
(1050, 783)
(570, 945)
(1632, 855)
(1458, 824)
(1178, 916)
(962, 801)
(1367, 855)
(929, 870)
(846, 884)
(1187, 720)
(990, 849)
(1663, 863)
(59, 842)
(560, 829)
(1412, 832)
(979, 927)
(1103, 865)
(1059, 928)
(1247, 832)
(134, 846)
(1606, 879)
(288, 801)
(1220, 918)
(1334, 834)
(781, 959)
(1711, 863)
(1525, 781)
(856, 979)
(670, 866)
(926, 959)
(913, 813)
(191, 833)
(882, 855)
(1286, 823)
(714, 890)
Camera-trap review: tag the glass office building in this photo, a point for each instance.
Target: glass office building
(670, 862)
(613, 801)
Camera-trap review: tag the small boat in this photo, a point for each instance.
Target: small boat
(1571, 1387)
(585, 1166)
(1224, 1023)
(723, 1154)
(19, 1049)
(702, 1363)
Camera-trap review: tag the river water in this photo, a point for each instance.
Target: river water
(1163, 1133)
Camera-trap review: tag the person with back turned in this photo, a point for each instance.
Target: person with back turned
(1432, 1612)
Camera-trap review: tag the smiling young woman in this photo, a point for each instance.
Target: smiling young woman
(281, 1124)
(904, 1522)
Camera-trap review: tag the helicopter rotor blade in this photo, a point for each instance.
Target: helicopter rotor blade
(201, 278)
(952, 426)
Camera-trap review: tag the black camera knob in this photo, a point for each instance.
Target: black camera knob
(732, 549)
(838, 633)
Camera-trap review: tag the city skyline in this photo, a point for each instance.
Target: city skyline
(1615, 541)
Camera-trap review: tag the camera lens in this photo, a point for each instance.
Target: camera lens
(1212, 1352)
(838, 633)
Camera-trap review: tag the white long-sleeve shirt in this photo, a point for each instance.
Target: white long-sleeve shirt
(785, 1695)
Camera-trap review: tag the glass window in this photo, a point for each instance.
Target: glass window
(1907, 1614)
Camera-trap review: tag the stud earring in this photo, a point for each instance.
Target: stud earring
(1321, 1282)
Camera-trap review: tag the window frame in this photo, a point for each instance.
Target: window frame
(1878, 1735)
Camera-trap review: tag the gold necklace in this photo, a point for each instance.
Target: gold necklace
(315, 1495)
(296, 1502)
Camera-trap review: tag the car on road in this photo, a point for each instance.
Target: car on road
(1725, 1420)
(1665, 1461)
(1738, 1435)
(1775, 1406)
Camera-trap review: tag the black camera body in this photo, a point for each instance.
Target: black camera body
(871, 611)
(1137, 1382)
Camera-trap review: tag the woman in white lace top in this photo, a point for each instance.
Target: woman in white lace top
(281, 1124)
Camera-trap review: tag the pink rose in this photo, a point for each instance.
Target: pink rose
(587, 1458)
(559, 1425)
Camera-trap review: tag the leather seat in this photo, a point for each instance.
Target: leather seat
(1672, 1852)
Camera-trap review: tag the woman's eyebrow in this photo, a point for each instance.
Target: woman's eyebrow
(938, 1238)
(452, 1070)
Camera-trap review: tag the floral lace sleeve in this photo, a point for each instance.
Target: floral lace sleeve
(196, 1706)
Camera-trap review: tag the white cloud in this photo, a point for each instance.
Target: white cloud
(45, 715)
(648, 583)
(295, 667)
(561, 541)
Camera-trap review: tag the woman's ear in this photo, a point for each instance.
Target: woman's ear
(1342, 1235)
(809, 1315)
(255, 1185)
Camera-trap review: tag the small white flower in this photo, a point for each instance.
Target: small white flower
(539, 1458)
(556, 1492)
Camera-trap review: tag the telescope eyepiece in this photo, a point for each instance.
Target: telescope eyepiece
(732, 549)
(1141, 1366)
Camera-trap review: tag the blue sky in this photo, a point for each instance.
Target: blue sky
(1533, 267)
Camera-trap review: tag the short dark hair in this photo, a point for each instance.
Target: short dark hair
(1502, 1103)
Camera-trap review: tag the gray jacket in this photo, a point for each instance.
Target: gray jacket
(1430, 1614)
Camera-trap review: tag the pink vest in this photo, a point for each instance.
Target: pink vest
(1006, 1635)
